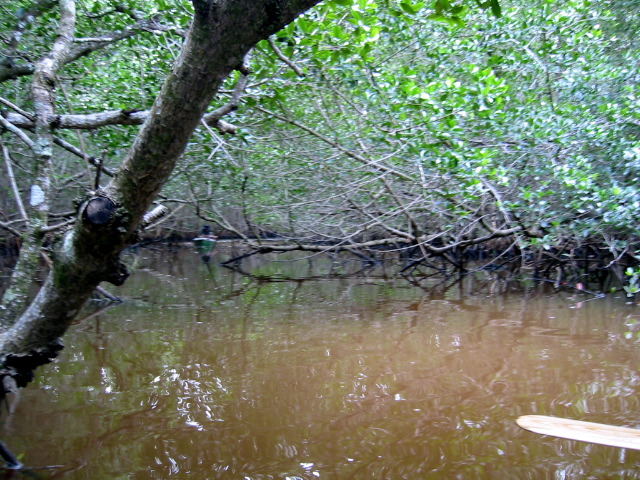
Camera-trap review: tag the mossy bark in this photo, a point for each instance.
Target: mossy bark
(15, 297)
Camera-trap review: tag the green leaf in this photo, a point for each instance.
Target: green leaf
(409, 7)
(441, 6)
(495, 8)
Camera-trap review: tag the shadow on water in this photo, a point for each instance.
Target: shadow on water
(205, 372)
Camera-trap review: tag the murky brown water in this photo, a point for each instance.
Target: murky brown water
(207, 374)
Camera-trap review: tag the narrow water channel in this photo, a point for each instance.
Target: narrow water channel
(205, 373)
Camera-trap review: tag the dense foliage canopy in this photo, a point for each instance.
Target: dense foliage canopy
(402, 126)
(429, 128)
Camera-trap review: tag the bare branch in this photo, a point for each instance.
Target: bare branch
(59, 226)
(284, 58)
(95, 161)
(17, 132)
(333, 143)
(15, 108)
(12, 180)
(91, 121)
(9, 228)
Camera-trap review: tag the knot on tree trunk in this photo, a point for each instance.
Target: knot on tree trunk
(104, 223)
(99, 210)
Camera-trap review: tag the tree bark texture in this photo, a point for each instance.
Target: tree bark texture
(222, 33)
(43, 92)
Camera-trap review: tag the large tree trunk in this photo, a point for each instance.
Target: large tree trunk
(222, 33)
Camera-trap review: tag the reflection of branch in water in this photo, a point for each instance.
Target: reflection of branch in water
(318, 249)
(242, 290)
(9, 387)
(285, 278)
(412, 266)
(445, 283)
(237, 292)
(365, 406)
(238, 258)
(179, 287)
(126, 423)
(411, 278)
(11, 462)
(94, 314)
(25, 472)
(578, 287)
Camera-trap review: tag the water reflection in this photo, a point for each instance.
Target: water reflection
(206, 373)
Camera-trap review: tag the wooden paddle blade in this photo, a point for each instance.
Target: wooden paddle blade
(583, 431)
